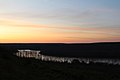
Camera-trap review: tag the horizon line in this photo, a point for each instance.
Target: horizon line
(55, 42)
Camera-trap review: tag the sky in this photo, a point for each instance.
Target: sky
(59, 21)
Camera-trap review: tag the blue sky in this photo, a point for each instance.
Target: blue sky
(73, 19)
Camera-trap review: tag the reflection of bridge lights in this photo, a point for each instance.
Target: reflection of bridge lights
(36, 54)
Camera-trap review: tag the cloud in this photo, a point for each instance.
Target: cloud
(19, 24)
(65, 33)
(64, 14)
(68, 16)
(110, 31)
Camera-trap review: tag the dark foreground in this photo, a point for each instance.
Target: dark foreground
(14, 68)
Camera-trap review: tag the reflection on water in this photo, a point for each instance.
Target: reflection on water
(36, 54)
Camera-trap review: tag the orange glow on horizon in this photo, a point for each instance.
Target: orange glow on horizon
(18, 32)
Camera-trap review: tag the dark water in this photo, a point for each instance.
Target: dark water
(93, 50)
